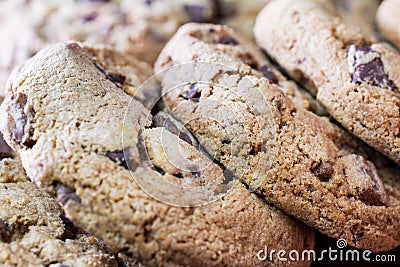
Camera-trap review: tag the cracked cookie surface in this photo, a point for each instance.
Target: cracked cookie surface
(295, 159)
(87, 170)
(316, 47)
(34, 231)
(134, 27)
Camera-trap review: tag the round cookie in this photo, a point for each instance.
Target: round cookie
(74, 118)
(34, 231)
(290, 156)
(361, 91)
(388, 20)
(139, 28)
(241, 54)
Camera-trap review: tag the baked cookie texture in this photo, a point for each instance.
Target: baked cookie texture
(133, 27)
(361, 91)
(388, 20)
(295, 159)
(34, 231)
(66, 118)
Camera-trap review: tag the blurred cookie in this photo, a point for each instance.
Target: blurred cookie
(34, 231)
(139, 28)
(355, 77)
(388, 20)
(359, 13)
(240, 14)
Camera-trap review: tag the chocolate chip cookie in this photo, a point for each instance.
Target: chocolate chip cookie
(388, 20)
(66, 119)
(352, 74)
(34, 231)
(139, 28)
(292, 157)
(239, 53)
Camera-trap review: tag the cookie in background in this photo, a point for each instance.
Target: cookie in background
(139, 28)
(388, 20)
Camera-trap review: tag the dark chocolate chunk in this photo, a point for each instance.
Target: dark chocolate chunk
(375, 194)
(268, 73)
(65, 193)
(5, 231)
(372, 72)
(5, 150)
(166, 122)
(323, 170)
(197, 174)
(29, 142)
(19, 117)
(118, 157)
(248, 59)
(116, 78)
(192, 94)
(89, 17)
(198, 13)
(148, 2)
(227, 40)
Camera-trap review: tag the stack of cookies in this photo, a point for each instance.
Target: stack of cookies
(278, 123)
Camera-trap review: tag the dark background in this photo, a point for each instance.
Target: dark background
(323, 242)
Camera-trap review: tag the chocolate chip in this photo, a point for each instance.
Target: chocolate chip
(148, 2)
(248, 59)
(226, 39)
(65, 193)
(192, 94)
(226, 142)
(166, 122)
(159, 170)
(5, 150)
(89, 17)
(196, 174)
(255, 149)
(28, 141)
(118, 157)
(268, 73)
(178, 175)
(18, 115)
(323, 170)
(372, 195)
(198, 12)
(5, 231)
(363, 180)
(116, 78)
(371, 72)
